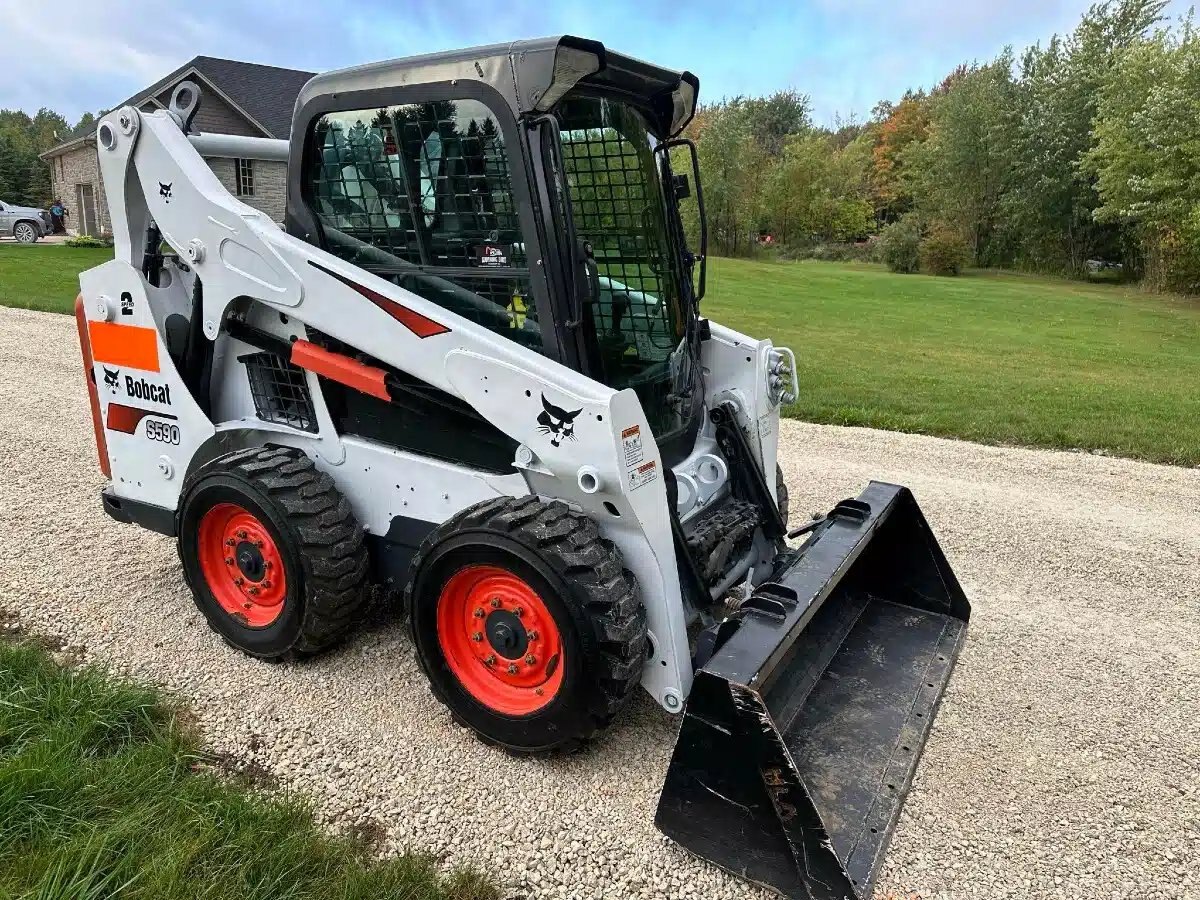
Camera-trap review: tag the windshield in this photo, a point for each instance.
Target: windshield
(619, 209)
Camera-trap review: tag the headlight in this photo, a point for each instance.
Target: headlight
(781, 376)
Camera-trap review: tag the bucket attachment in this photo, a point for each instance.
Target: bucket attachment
(804, 726)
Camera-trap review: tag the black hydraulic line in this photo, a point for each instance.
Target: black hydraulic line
(259, 339)
(197, 355)
(152, 254)
(745, 470)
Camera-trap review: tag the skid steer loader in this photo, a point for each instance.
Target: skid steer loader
(471, 372)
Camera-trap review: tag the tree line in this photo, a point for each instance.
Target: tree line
(1079, 152)
(25, 179)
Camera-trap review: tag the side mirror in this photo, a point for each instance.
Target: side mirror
(682, 189)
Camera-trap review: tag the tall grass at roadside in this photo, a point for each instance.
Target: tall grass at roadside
(100, 796)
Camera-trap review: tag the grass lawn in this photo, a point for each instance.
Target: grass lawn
(994, 357)
(45, 277)
(102, 794)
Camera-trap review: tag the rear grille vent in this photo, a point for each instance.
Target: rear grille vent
(280, 391)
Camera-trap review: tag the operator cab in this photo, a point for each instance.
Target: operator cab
(527, 187)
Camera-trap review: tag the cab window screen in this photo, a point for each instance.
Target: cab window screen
(608, 154)
(421, 194)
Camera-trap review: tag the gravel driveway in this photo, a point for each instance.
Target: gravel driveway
(1065, 761)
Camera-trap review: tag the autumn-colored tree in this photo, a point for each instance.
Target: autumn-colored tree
(898, 126)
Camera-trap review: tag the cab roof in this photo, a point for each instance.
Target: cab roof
(532, 75)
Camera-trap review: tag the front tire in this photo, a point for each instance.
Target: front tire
(270, 548)
(526, 623)
(25, 233)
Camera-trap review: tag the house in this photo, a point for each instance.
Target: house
(236, 98)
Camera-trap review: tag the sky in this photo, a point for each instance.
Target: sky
(83, 55)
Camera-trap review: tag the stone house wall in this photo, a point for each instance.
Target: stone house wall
(79, 165)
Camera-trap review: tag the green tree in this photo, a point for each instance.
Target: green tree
(1146, 157)
(1051, 194)
(816, 192)
(957, 175)
(732, 163)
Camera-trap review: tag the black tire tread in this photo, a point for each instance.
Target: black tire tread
(571, 544)
(781, 495)
(332, 545)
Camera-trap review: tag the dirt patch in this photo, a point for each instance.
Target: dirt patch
(370, 834)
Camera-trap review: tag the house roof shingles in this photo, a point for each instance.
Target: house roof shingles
(266, 93)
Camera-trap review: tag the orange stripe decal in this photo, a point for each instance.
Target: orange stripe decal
(124, 345)
(341, 368)
(89, 372)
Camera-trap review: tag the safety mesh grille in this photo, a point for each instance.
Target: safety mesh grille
(616, 208)
(421, 194)
(427, 182)
(280, 391)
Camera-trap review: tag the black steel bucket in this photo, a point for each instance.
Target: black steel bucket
(803, 729)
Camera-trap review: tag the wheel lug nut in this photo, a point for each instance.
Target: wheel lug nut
(268, 564)
(519, 611)
(254, 591)
(231, 543)
(533, 635)
(266, 584)
(239, 581)
(512, 668)
(242, 535)
(477, 636)
(490, 661)
(538, 691)
(229, 560)
(530, 660)
(258, 544)
(495, 603)
(478, 613)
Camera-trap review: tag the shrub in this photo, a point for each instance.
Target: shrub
(86, 240)
(830, 251)
(943, 251)
(899, 245)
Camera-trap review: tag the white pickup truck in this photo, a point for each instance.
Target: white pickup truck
(25, 223)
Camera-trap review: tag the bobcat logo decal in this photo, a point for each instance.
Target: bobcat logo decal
(111, 377)
(556, 422)
(164, 191)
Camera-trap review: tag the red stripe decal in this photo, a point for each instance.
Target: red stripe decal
(418, 324)
(340, 368)
(126, 419)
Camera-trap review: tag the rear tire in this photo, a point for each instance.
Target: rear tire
(272, 553)
(526, 623)
(25, 233)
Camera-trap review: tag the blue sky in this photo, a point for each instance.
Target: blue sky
(77, 55)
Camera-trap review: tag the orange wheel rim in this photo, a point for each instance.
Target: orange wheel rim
(242, 565)
(500, 640)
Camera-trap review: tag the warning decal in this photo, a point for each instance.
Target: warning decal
(643, 475)
(631, 445)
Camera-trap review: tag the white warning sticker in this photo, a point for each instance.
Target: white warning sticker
(631, 445)
(643, 475)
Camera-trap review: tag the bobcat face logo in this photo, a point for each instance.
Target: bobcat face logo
(111, 377)
(164, 191)
(556, 422)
